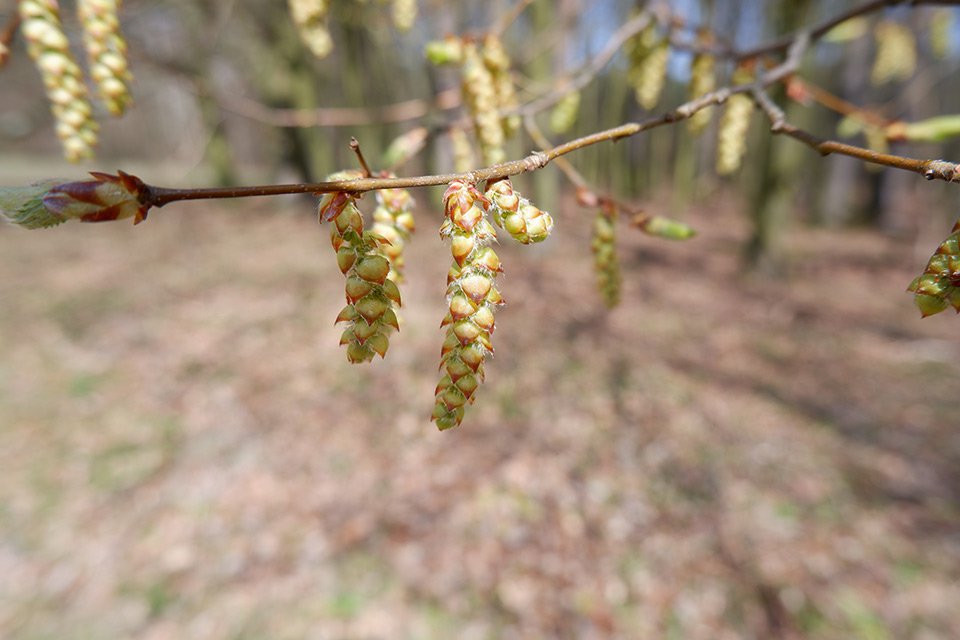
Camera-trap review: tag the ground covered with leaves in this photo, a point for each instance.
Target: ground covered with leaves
(185, 453)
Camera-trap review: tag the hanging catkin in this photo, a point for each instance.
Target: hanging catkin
(106, 52)
(47, 44)
(471, 300)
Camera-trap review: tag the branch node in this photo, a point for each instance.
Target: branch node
(536, 160)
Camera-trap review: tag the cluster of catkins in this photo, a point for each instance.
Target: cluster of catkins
(648, 54)
(49, 48)
(488, 90)
(372, 262)
(312, 20)
(939, 285)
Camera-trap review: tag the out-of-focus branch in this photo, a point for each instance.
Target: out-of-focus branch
(339, 116)
(6, 37)
(510, 17)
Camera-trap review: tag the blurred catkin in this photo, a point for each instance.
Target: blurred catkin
(49, 48)
(480, 96)
(471, 298)
(734, 125)
(464, 158)
(941, 31)
(106, 52)
(497, 60)
(564, 113)
(310, 18)
(404, 14)
(702, 81)
(605, 260)
(393, 221)
(896, 53)
(649, 54)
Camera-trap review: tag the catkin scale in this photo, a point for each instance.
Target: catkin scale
(49, 48)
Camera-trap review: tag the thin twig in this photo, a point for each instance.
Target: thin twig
(355, 146)
(929, 169)
(510, 17)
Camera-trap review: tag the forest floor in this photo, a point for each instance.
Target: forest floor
(185, 452)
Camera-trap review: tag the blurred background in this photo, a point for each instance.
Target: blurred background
(761, 441)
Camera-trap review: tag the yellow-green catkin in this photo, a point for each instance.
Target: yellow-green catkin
(393, 221)
(404, 13)
(371, 294)
(497, 60)
(471, 297)
(605, 261)
(939, 285)
(480, 96)
(941, 31)
(106, 52)
(310, 18)
(703, 80)
(649, 54)
(564, 113)
(896, 57)
(513, 213)
(464, 158)
(734, 125)
(47, 44)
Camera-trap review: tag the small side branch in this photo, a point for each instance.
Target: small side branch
(929, 169)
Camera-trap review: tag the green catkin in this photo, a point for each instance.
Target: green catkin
(702, 81)
(497, 60)
(106, 52)
(734, 124)
(471, 296)
(393, 221)
(480, 96)
(649, 54)
(371, 294)
(404, 13)
(564, 113)
(605, 261)
(513, 213)
(310, 18)
(49, 48)
(939, 285)
(896, 53)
